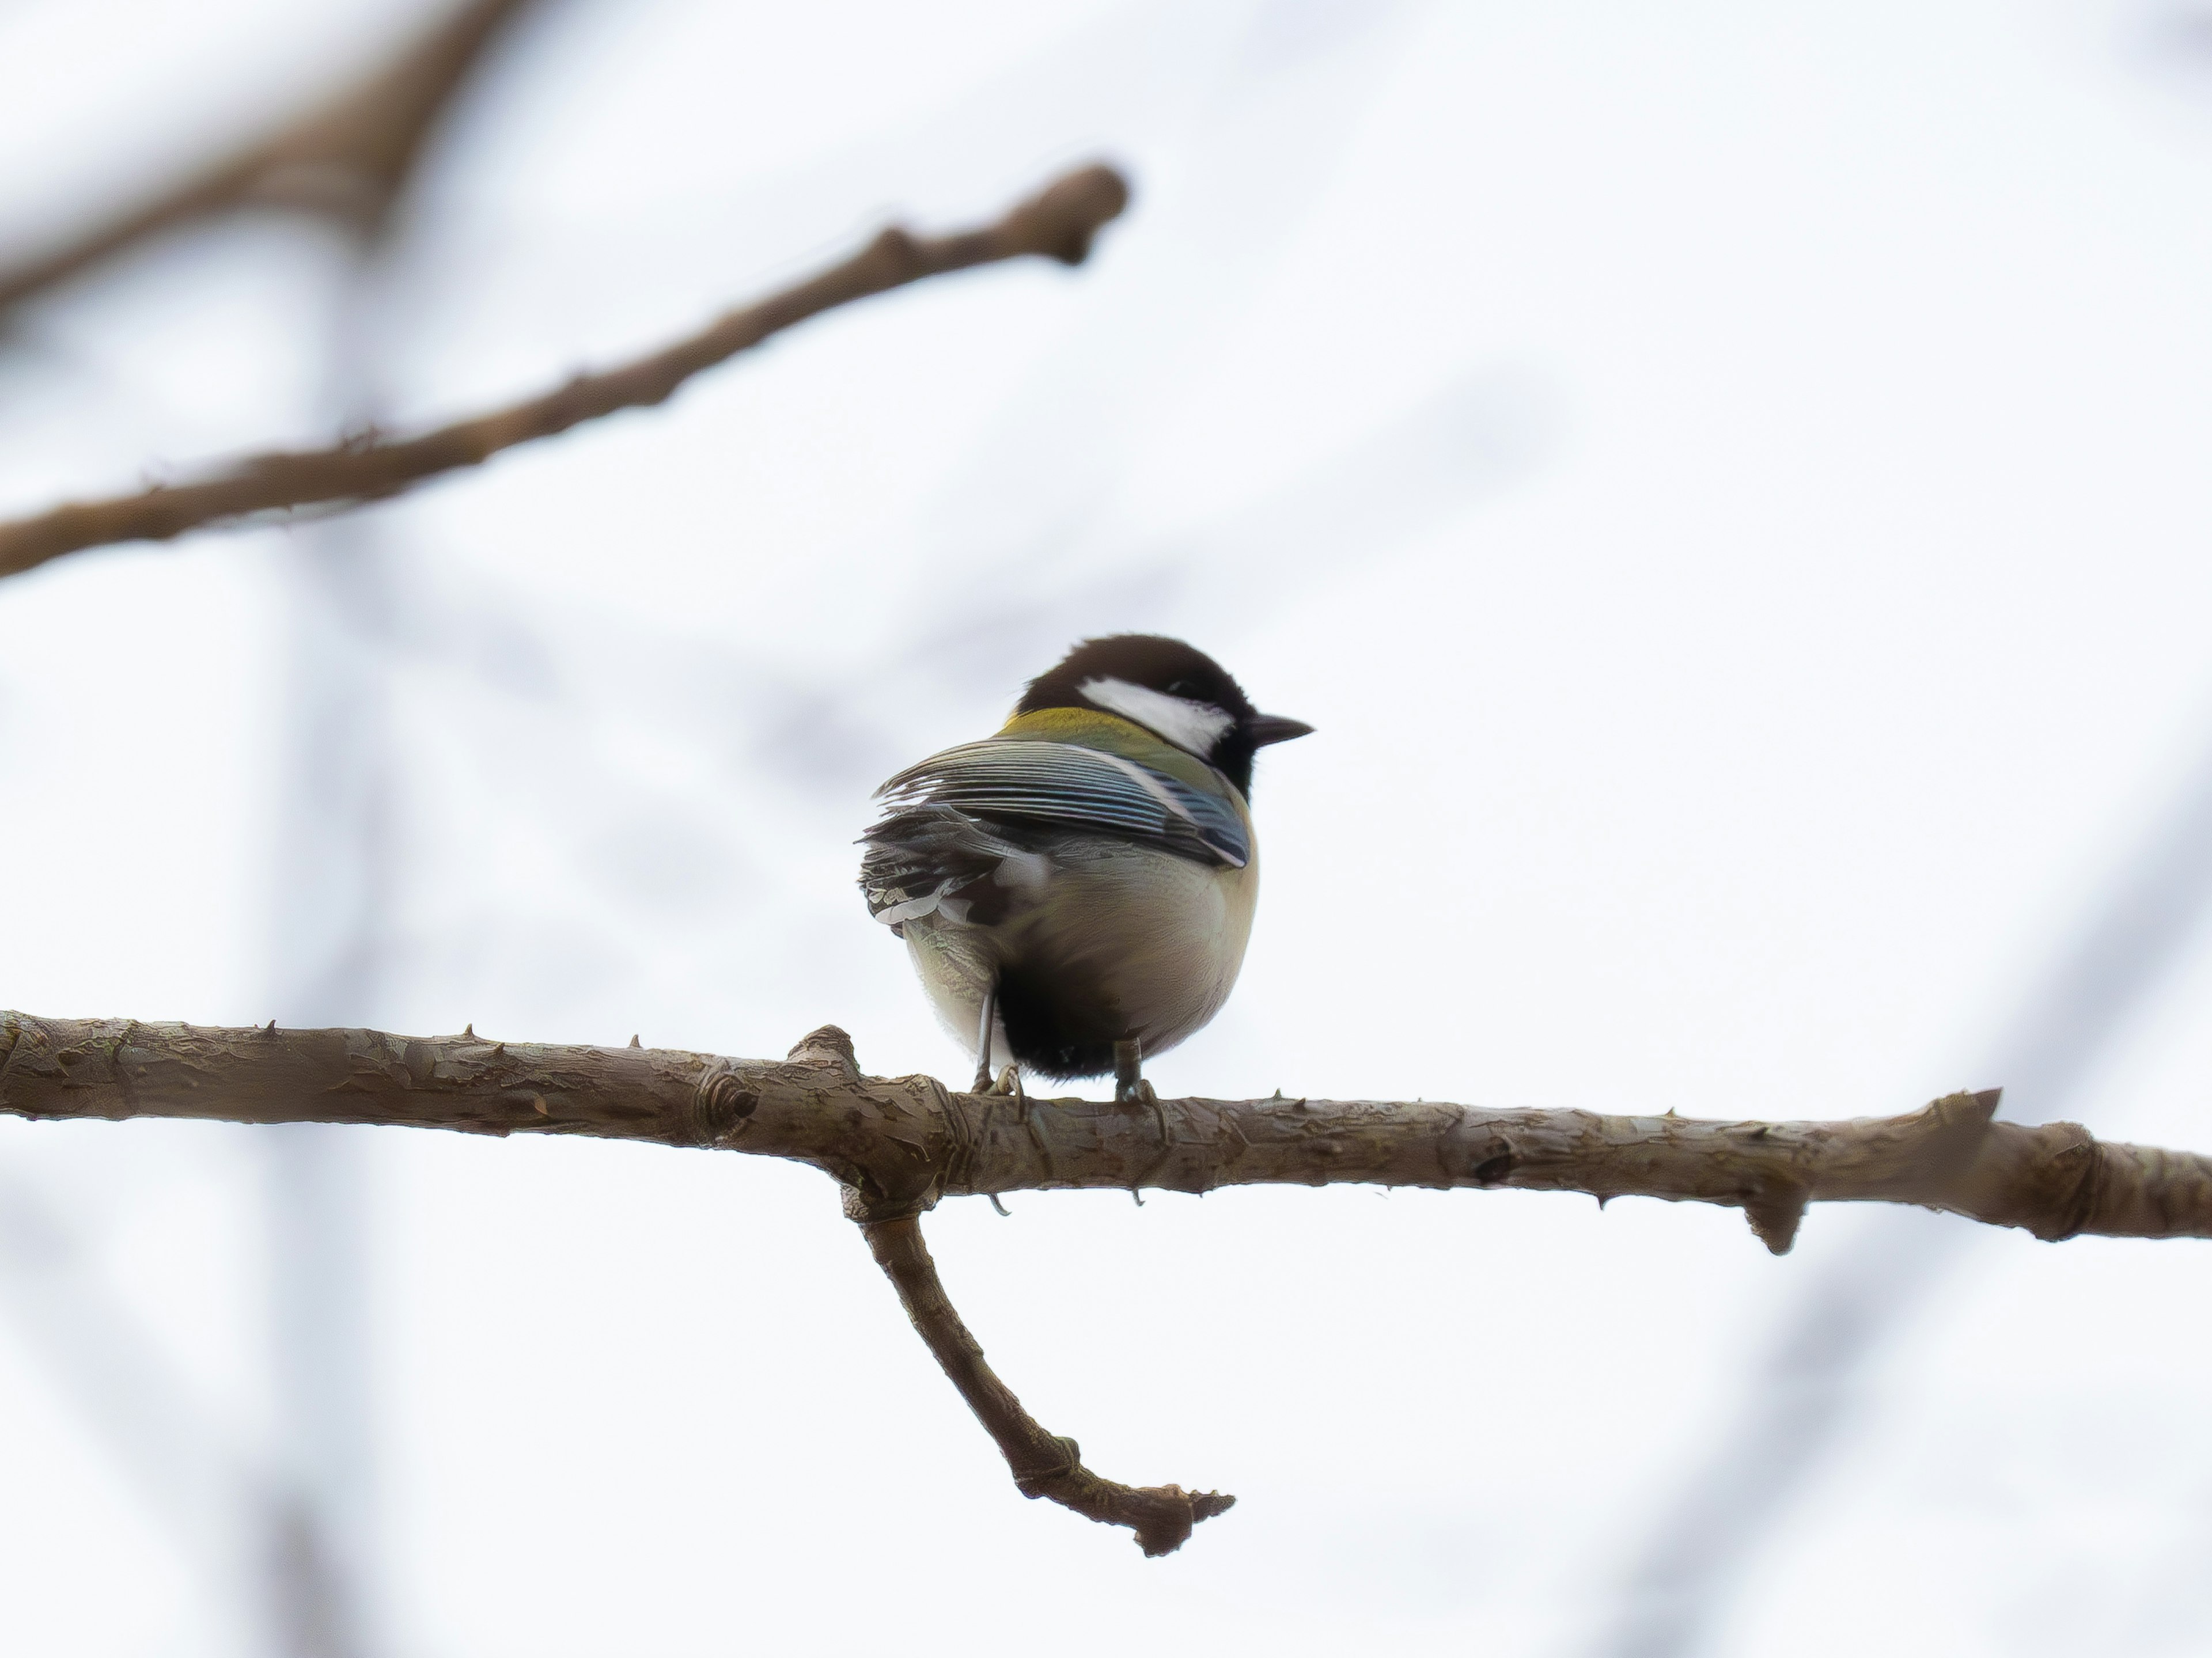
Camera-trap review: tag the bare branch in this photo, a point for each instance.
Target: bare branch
(1043, 1464)
(908, 1140)
(346, 158)
(1059, 224)
(898, 1145)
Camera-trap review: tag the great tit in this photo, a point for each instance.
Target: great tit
(1076, 891)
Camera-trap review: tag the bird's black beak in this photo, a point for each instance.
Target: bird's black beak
(1268, 728)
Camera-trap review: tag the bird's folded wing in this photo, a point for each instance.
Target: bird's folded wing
(1080, 788)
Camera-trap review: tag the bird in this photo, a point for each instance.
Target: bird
(1076, 891)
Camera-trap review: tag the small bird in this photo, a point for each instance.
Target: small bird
(1076, 891)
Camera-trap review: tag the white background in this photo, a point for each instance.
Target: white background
(1729, 485)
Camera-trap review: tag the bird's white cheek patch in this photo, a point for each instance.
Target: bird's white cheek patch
(1195, 727)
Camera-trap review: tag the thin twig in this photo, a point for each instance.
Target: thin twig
(1058, 223)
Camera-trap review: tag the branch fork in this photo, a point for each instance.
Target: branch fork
(1043, 1464)
(898, 1145)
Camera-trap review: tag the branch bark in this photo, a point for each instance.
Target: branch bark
(898, 1145)
(1058, 223)
(906, 1140)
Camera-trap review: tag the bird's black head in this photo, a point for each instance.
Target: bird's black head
(1172, 691)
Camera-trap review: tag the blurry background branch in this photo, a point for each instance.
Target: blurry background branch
(348, 159)
(1807, 1383)
(899, 1144)
(1058, 223)
(284, 1518)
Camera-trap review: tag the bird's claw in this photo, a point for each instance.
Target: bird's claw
(1129, 1084)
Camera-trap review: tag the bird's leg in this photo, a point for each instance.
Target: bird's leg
(1129, 1080)
(982, 1085)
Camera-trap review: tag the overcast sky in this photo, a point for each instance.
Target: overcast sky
(1728, 484)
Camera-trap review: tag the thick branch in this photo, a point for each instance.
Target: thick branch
(347, 158)
(1059, 224)
(898, 1144)
(907, 1140)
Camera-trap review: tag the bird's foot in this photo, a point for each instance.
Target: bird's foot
(1009, 1082)
(1129, 1077)
(986, 1031)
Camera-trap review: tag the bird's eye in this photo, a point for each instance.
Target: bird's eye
(1183, 688)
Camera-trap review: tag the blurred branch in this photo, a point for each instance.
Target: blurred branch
(188, 1463)
(900, 1143)
(1059, 224)
(347, 159)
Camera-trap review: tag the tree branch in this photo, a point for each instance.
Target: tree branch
(1043, 1464)
(908, 1141)
(346, 158)
(898, 1145)
(1059, 224)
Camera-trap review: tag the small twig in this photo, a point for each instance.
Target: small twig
(1042, 1464)
(1059, 224)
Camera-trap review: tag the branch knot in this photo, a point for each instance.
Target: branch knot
(827, 1045)
(1774, 1211)
(1060, 220)
(2075, 1168)
(719, 1106)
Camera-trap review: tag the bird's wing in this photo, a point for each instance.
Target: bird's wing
(1074, 787)
(957, 817)
(925, 858)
